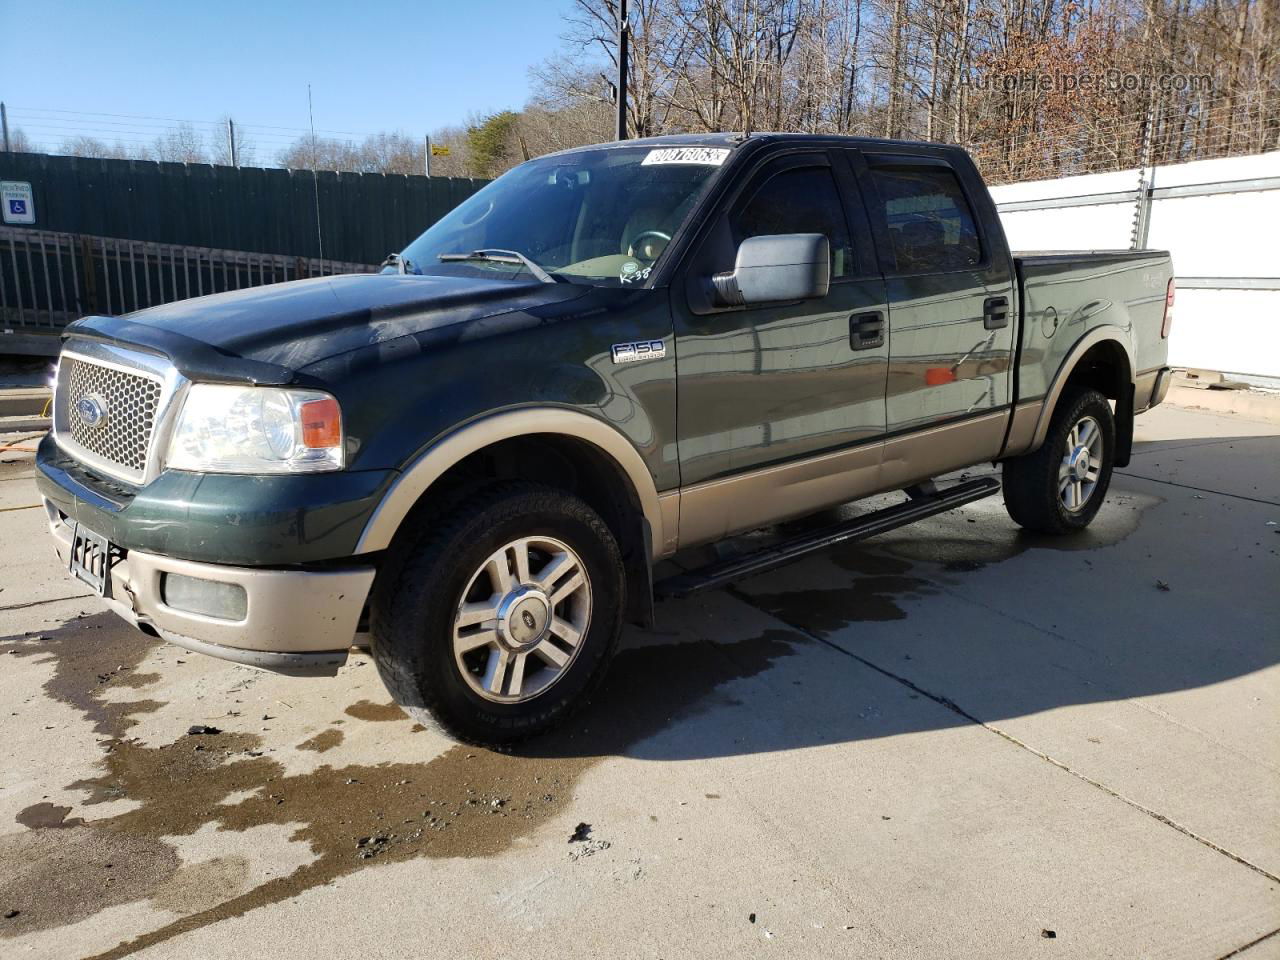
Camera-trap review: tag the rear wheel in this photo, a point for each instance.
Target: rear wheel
(497, 624)
(1060, 487)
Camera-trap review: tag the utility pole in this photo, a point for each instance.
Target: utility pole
(4, 124)
(624, 31)
(426, 157)
(1140, 234)
(231, 142)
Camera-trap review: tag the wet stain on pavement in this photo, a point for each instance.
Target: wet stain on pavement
(374, 712)
(893, 568)
(40, 815)
(465, 802)
(963, 546)
(91, 654)
(322, 741)
(58, 877)
(202, 886)
(876, 592)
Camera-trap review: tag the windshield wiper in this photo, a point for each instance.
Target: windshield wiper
(499, 256)
(402, 264)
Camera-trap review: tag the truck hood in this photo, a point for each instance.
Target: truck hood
(266, 333)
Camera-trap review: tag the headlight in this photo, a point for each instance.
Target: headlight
(230, 429)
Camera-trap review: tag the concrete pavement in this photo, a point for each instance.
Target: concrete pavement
(956, 740)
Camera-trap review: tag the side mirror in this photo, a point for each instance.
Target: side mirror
(775, 269)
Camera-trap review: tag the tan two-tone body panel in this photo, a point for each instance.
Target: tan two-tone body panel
(719, 508)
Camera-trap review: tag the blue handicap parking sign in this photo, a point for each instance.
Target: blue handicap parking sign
(17, 204)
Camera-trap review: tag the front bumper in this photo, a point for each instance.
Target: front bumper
(295, 621)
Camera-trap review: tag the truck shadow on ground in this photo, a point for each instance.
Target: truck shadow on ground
(714, 690)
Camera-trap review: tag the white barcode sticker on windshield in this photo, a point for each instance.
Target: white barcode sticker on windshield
(704, 156)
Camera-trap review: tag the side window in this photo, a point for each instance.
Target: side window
(930, 223)
(802, 200)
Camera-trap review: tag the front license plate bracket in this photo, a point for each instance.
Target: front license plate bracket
(91, 557)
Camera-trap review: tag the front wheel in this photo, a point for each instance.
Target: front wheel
(497, 623)
(1060, 487)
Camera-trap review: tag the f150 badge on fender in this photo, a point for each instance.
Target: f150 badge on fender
(640, 350)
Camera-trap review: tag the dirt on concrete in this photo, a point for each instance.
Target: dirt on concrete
(466, 802)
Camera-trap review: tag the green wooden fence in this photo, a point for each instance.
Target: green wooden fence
(363, 216)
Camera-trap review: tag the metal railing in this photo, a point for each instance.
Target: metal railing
(48, 279)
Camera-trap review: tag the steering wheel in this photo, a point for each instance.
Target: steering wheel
(637, 246)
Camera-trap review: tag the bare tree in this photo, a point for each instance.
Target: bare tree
(932, 69)
(393, 153)
(657, 45)
(93, 147)
(321, 154)
(182, 144)
(19, 142)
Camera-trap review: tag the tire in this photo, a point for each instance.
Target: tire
(1060, 487)
(508, 666)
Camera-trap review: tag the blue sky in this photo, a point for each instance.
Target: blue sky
(411, 66)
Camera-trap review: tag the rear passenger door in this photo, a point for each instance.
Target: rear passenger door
(950, 288)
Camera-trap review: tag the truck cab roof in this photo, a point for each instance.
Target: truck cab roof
(736, 140)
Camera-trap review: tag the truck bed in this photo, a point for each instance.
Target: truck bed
(1066, 294)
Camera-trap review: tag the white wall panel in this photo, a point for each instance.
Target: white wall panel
(1222, 235)
(1105, 227)
(1237, 331)
(1216, 237)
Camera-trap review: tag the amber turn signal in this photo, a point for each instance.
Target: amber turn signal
(321, 423)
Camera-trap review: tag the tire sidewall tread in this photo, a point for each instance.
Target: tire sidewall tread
(1031, 481)
(412, 610)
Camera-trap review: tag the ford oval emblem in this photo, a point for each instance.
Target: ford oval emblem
(91, 410)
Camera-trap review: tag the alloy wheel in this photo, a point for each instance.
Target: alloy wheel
(1081, 464)
(522, 619)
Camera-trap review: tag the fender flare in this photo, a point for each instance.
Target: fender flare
(1097, 335)
(432, 463)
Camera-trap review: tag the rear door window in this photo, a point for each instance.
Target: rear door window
(931, 225)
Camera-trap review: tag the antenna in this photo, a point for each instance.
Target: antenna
(315, 179)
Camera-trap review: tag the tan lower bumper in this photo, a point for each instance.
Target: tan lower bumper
(298, 621)
(1151, 388)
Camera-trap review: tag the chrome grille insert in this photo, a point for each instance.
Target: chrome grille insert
(112, 414)
(109, 408)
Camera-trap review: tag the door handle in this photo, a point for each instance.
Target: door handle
(995, 312)
(866, 331)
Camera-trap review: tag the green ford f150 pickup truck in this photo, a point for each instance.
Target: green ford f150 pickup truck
(472, 461)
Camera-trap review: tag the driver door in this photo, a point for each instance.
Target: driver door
(781, 407)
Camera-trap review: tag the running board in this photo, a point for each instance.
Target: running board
(926, 501)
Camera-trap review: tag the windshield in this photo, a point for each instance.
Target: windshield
(601, 217)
